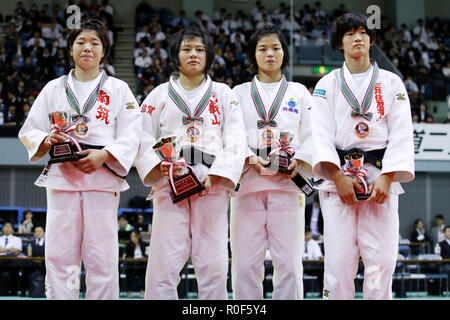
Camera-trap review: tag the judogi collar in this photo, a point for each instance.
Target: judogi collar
(75, 104)
(359, 97)
(192, 108)
(262, 101)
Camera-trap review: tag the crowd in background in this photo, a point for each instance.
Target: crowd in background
(34, 51)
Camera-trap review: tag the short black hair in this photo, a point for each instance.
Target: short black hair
(96, 25)
(189, 33)
(8, 222)
(445, 228)
(347, 22)
(257, 35)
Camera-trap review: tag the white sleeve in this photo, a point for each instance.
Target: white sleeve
(230, 161)
(303, 139)
(37, 125)
(147, 159)
(399, 155)
(129, 126)
(237, 96)
(323, 128)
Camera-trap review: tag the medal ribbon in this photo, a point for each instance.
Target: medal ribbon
(359, 174)
(274, 108)
(171, 163)
(279, 146)
(89, 104)
(57, 128)
(182, 105)
(357, 109)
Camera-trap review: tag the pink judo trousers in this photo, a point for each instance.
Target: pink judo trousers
(82, 225)
(274, 218)
(368, 230)
(196, 227)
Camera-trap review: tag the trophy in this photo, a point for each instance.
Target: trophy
(62, 151)
(354, 169)
(282, 152)
(184, 183)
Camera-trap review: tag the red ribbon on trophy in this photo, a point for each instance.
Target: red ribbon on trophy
(171, 164)
(359, 174)
(279, 145)
(56, 128)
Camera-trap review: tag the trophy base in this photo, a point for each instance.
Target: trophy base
(185, 186)
(280, 163)
(362, 196)
(62, 152)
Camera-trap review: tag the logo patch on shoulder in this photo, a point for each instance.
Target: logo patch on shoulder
(320, 93)
(400, 96)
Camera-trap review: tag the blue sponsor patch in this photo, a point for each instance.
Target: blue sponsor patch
(291, 106)
(320, 93)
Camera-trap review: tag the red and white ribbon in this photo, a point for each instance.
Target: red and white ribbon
(55, 128)
(171, 163)
(359, 174)
(278, 146)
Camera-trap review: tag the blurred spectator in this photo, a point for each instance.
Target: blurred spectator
(38, 244)
(265, 21)
(10, 245)
(135, 271)
(323, 40)
(143, 61)
(144, 8)
(437, 232)
(314, 218)
(12, 116)
(418, 235)
(423, 112)
(124, 228)
(143, 34)
(445, 251)
(410, 85)
(140, 225)
(445, 245)
(26, 226)
(109, 68)
(180, 20)
(312, 249)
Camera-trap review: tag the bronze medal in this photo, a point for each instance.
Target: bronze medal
(362, 129)
(193, 133)
(267, 136)
(81, 130)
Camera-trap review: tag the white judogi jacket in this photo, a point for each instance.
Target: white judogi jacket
(333, 127)
(293, 116)
(115, 123)
(222, 130)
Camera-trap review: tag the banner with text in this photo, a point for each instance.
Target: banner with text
(431, 141)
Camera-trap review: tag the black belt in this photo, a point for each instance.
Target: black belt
(299, 181)
(89, 146)
(194, 156)
(374, 157)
